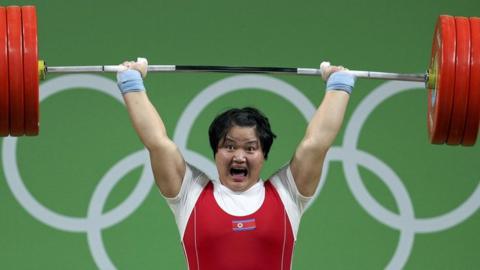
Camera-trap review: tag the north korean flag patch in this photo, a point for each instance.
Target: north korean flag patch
(243, 225)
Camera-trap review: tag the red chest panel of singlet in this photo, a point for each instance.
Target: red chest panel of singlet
(214, 239)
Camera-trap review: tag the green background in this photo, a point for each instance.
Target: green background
(84, 133)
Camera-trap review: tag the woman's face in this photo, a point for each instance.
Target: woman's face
(239, 158)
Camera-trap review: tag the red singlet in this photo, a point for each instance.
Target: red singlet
(216, 240)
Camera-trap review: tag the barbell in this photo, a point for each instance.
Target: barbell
(452, 79)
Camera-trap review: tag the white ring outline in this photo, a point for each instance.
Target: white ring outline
(350, 142)
(226, 86)
(408, 225)
(95, 220)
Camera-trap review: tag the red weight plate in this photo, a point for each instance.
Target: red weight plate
(4, 109)
(30, 69)
(442, 64)
(462, 82)
(15, 71)
(473, 110)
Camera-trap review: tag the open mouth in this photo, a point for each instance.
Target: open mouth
(238, 172)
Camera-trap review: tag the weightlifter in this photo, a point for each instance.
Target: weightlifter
(238, 221)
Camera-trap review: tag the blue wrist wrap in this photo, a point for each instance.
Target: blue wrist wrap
(343, 81)
(130, 81)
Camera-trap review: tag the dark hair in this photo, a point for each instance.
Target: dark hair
(244, 117)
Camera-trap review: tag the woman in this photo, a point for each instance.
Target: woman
(239, 221)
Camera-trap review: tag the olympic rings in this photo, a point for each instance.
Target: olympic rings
(348, 153)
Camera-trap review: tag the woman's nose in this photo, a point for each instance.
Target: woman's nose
(239, 156)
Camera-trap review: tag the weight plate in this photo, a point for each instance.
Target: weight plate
(442, 67)
(462, 81)
(15, 71)
(473, 110)
(4, 97)
(30, 69)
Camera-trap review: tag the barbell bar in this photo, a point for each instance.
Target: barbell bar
(232, 69)
(452, 79)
